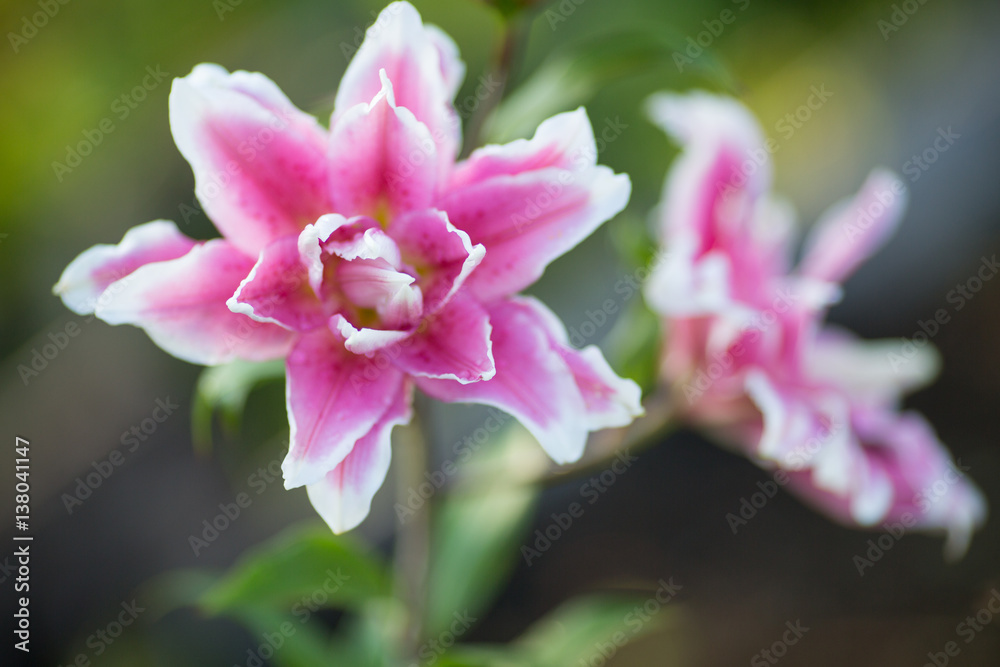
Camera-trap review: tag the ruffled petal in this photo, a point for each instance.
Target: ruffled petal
(878, 372)
(532, 382)
(444, 253)
(344, 496)
(728, 239)
(335, 398)
(452, 344)
(181, 304)
(527, 220)
(259, 163)
(565, 141)
(382, 159)
(611, 400)
(87, 276)
(277, 290)
(423, 65)
(852, 231)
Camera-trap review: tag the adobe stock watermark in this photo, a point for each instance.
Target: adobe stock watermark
(121, 108)
(798, 458)
(30, 25)
(303, 609)
(462, 452)
(713, 30)
(918, 164)
(434, 648)
(378, 24)
(212, 527)
(957, 297)
(626, 287)
(58, 341)
(102, 638)
(211, 184)
(719, 363)
(634, 621)
(899, 16)
(786, 126)
(130, 441)
(535, 206)
(591, 491)
(779, 649)
(924, 500)
(968, 630)
(561, 12)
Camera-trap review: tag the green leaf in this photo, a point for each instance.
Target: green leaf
(576, 632)
(300, 562)
(476, 533)
(225, 389)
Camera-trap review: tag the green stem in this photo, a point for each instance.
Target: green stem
(412, 551)
(503, 62)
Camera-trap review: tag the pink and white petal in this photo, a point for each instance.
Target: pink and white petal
(728, 239)
(181, 304)
(877, 372)
(423, 64)
(335, 397)
(344, 496)
(452, 344)
(277, 289)
(532, 382)
(366, 341)
(611, 400)
(927, 483)
(565, 141)
(802, 429)
(444, 253)
(310, 243)
(851, 231)
(366, 243)
(373, 283)
(85, 279)
(527, 220)
(706, 125)
(382, 159)
(259, 163)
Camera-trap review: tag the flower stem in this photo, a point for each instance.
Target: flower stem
(503, 61)
(412, 550)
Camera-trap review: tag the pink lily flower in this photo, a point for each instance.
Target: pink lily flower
(370, 260)
(746, 345)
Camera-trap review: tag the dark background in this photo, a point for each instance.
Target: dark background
(666, 516)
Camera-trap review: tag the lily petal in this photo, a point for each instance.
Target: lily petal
(277, 289)
(445, 253)
(259, 163)
(382, 159)
(527, 220)
(181, 304)
(423, 64)
(611, 400)
(565, 141)
(335, 397)
(852, 231)
(454, 344)
(344, 496)
(87, 276)
(532, 382)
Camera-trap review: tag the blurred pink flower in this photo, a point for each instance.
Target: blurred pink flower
(746, 347)
(370, 260)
